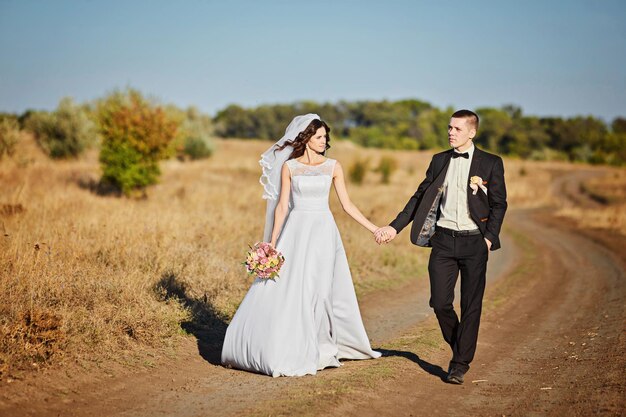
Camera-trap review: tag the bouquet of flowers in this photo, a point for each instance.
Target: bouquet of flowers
(264, 261)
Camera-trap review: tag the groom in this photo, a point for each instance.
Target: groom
(458, 210)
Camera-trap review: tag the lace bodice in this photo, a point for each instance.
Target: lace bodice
(298, 168)
(310, 184)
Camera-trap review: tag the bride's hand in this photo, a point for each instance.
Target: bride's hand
(385, 234)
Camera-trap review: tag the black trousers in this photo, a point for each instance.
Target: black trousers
(451, 255)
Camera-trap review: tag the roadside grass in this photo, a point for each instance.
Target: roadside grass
(609, 191)
(81, 274)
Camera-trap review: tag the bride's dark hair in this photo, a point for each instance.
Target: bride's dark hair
(300, 141)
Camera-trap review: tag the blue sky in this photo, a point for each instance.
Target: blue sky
(560, 58)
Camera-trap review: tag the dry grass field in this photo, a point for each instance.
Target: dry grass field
(86, 277)
(609, 193)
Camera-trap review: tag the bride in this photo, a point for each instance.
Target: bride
(308, 318)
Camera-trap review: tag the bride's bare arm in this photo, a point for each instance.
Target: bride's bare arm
(283, 203)
(346, 203)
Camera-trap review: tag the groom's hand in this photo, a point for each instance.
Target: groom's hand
(379, 237)
(385, 234)
(488, 242)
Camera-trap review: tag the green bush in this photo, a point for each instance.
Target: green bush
(196, 148)
(136, 135)
(197, 131)
(387, 166)
(9, 136)
(8, 116)
(357, 171)
(42, 126)
(64, 133)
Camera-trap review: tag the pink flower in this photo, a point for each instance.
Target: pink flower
(264, 261)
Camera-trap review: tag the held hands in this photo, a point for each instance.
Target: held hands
(384, 234)
(387, 233)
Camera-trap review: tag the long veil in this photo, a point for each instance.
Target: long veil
(271, 163)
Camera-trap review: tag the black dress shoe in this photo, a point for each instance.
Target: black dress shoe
(455, 376)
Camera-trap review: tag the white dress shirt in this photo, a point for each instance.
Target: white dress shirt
(454, 204)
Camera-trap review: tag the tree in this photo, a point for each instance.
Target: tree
(197, 130)
(235, 122)
(495, 124)
(64, 133)
(618, 125)
(135, 136)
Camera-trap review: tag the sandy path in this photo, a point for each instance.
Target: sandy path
(554, 347)
(193, 386)
(388, 314)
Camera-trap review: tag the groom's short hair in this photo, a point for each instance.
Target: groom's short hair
(470, 116)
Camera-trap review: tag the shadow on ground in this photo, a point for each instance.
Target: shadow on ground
(434, 370)
(206, 324)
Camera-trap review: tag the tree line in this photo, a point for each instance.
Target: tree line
(133, 133)
(415, 124)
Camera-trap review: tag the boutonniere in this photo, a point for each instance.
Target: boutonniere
(476, 182)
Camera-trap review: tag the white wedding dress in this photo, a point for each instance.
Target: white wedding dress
(308, 318)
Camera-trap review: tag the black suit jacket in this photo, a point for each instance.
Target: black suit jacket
(487, 211)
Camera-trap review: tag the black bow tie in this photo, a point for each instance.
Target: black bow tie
(460, 155)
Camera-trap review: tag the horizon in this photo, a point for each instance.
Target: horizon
(551, 60)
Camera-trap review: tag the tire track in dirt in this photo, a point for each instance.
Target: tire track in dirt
(192, 385)
(388, 314)
(563, 346)
(525, 346)
(567, 187)
(556, 347)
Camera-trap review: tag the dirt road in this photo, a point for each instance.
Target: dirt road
(552, 342)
